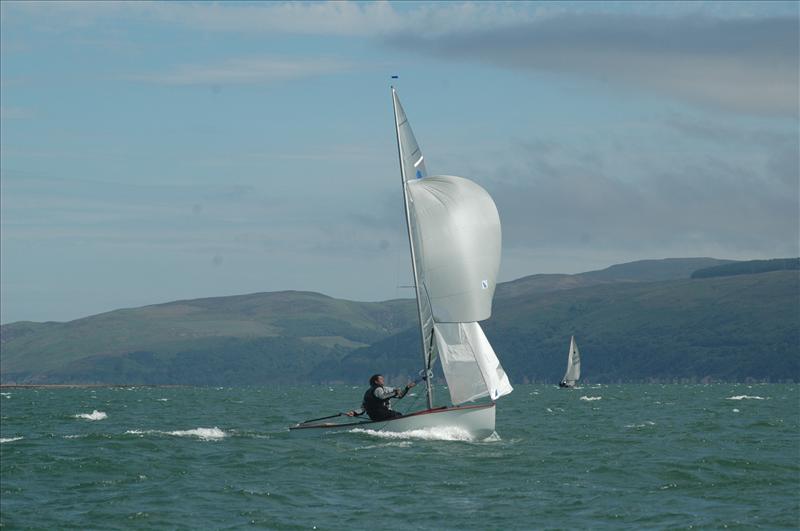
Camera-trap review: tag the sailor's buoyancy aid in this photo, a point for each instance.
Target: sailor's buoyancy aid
(374, 406)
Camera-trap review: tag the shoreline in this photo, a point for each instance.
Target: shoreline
(56, 386)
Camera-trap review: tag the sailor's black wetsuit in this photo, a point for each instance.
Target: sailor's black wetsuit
(376, 402)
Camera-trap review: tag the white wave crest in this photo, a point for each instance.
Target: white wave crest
(94, 415)
(6, 395)
(449, 433)
(591, 398)
(643, 425)
(735, 410)
(162, 399)
(10, 439)
(745, 397)
(494, 437)
(205, 434)
(396, 444)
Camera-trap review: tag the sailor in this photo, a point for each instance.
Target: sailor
(376, 400)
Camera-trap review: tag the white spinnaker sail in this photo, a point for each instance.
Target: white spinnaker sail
(456, 235)
(456, 238)
(573, 363)
(469, 363)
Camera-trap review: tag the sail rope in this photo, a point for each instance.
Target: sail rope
(413, 405)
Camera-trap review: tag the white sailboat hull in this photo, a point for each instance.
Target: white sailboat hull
(477, 421)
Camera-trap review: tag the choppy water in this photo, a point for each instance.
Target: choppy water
(636, 456)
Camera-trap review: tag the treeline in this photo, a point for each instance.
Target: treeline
(750, 267)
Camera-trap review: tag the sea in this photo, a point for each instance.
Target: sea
(651, 456)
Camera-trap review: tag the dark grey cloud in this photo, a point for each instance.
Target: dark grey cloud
(748, 64)
(778, 147)
(570, 203)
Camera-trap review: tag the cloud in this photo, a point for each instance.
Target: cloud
(778, 148)
(741, 56)
(187, 219)
(360, 19)
(562, 201)
(254, 70)
(747, 64)
(349, 19)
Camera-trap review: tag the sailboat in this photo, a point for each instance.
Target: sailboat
(454, 241)
(573, 373)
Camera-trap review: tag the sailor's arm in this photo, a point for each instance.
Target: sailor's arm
(408, 386)
(391, 392)
(386, 392)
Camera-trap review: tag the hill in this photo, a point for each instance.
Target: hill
(222, 340)
(640, 321)
(731, 328)
(748, 268)
(640, 271)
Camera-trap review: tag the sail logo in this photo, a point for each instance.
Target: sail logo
(420, 175)
(484, 284)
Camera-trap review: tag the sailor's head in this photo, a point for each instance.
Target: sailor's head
(376, 379)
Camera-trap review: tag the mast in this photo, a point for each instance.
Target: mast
(429, 391)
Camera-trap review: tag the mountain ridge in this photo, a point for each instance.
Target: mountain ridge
(300, 336)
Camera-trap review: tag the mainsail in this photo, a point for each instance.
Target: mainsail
(573, 373)
(411, 160)
(454, 230)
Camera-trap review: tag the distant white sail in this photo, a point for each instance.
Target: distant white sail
(573, 373)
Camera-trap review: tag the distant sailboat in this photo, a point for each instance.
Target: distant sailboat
(573, 373)
(454, 239)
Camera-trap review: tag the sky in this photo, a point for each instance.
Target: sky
(154, 151)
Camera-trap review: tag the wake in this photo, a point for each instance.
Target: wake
(448, 433)
(204, 434)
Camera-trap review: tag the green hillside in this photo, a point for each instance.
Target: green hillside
(731, 328)
(748, 268)
(640, 271)
(655, 270)
(629, 326)
(149, 344)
